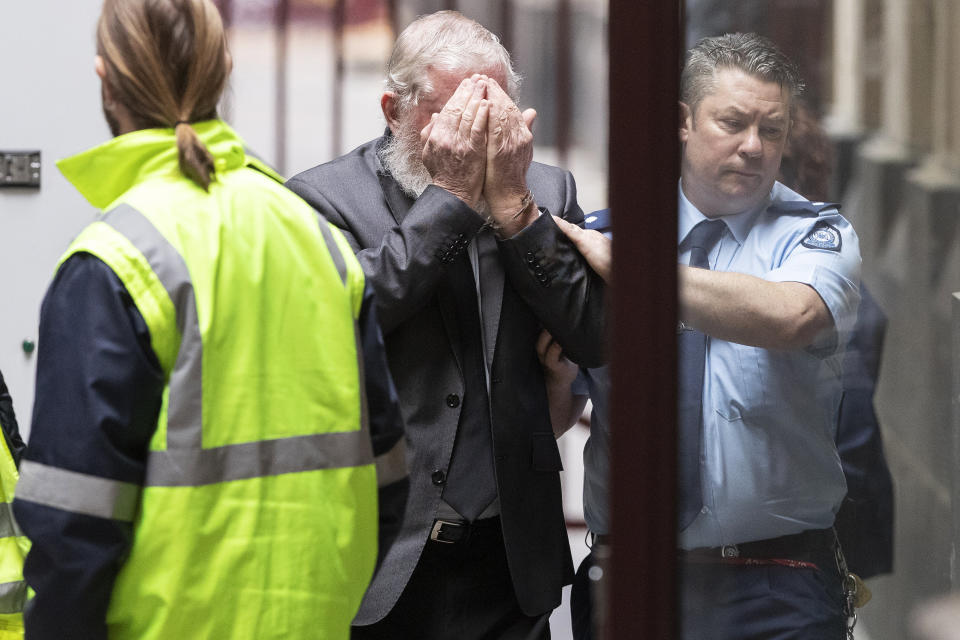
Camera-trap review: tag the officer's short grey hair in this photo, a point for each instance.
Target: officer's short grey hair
(748, 52)
(448, 41)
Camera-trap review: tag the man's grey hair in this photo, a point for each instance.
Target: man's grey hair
(748, 52)
(448, 41)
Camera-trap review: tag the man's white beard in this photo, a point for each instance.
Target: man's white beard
(401, 156)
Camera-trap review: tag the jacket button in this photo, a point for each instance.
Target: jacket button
(530, 257)
(453, 401)
(438, 477)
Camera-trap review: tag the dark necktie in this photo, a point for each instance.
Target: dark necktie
(692, 346)
(471, 486)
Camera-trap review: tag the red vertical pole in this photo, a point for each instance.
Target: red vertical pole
(281, 30)
(394, 17)
(506, 24)
(644, 44)
(226, 15)
(563, 60)
(339, 23)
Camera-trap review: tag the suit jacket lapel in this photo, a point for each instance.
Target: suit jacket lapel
(398, 202)
(491, 281)
(454, 277)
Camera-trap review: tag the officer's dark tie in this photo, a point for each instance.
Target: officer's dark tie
(691, 355)
(470, 482)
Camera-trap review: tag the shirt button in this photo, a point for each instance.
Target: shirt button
(453, 401)
(438, 477)
(705, 510)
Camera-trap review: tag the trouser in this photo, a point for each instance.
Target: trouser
(731, 599)
(460, 591)
(582, 600)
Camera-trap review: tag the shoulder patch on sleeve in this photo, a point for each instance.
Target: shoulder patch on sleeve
(823, 236)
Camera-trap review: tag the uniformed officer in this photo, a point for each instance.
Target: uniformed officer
(768, 291)
(210, 377)
(568, 388)
(768, 295)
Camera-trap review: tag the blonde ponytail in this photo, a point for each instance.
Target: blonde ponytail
(167, 63)
(195, 160)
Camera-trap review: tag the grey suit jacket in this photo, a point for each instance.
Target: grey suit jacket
(404, 247)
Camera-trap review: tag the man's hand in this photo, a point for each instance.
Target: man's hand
(556, 368)
(509, 153)
(455, 141)
(592, 245)
(558, 374)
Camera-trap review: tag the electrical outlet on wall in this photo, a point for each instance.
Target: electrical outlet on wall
(20, 169)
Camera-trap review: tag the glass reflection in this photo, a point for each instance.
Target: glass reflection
(878, 134)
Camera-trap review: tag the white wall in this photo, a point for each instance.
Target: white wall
(49, 100)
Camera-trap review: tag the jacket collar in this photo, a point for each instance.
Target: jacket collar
(105, 172)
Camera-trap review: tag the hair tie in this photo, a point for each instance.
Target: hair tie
(180, 122)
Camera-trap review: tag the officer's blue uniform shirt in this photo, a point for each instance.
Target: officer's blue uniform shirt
(596, 451)
(769, 465)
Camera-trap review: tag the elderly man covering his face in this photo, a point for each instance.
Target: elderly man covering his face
(454, 226)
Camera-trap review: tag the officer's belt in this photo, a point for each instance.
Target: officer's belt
(787, 547)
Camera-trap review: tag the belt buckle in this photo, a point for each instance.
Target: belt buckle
(729, 551)
(440, 527)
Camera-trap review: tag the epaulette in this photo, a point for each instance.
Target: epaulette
(803, 207)
(598, 220)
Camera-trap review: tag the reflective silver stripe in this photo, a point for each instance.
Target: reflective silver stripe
(184, 414)
(392, 466)
(333, 249)
(182, 468)
(185, 462)
(8, 524)
(13, 595)
(77, 492)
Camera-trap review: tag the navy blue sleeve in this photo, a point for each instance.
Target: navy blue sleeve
(97, 400)
(386, 426)
(864, 523)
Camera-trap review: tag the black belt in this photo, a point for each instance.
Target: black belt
(453, 531)
(788, 547)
